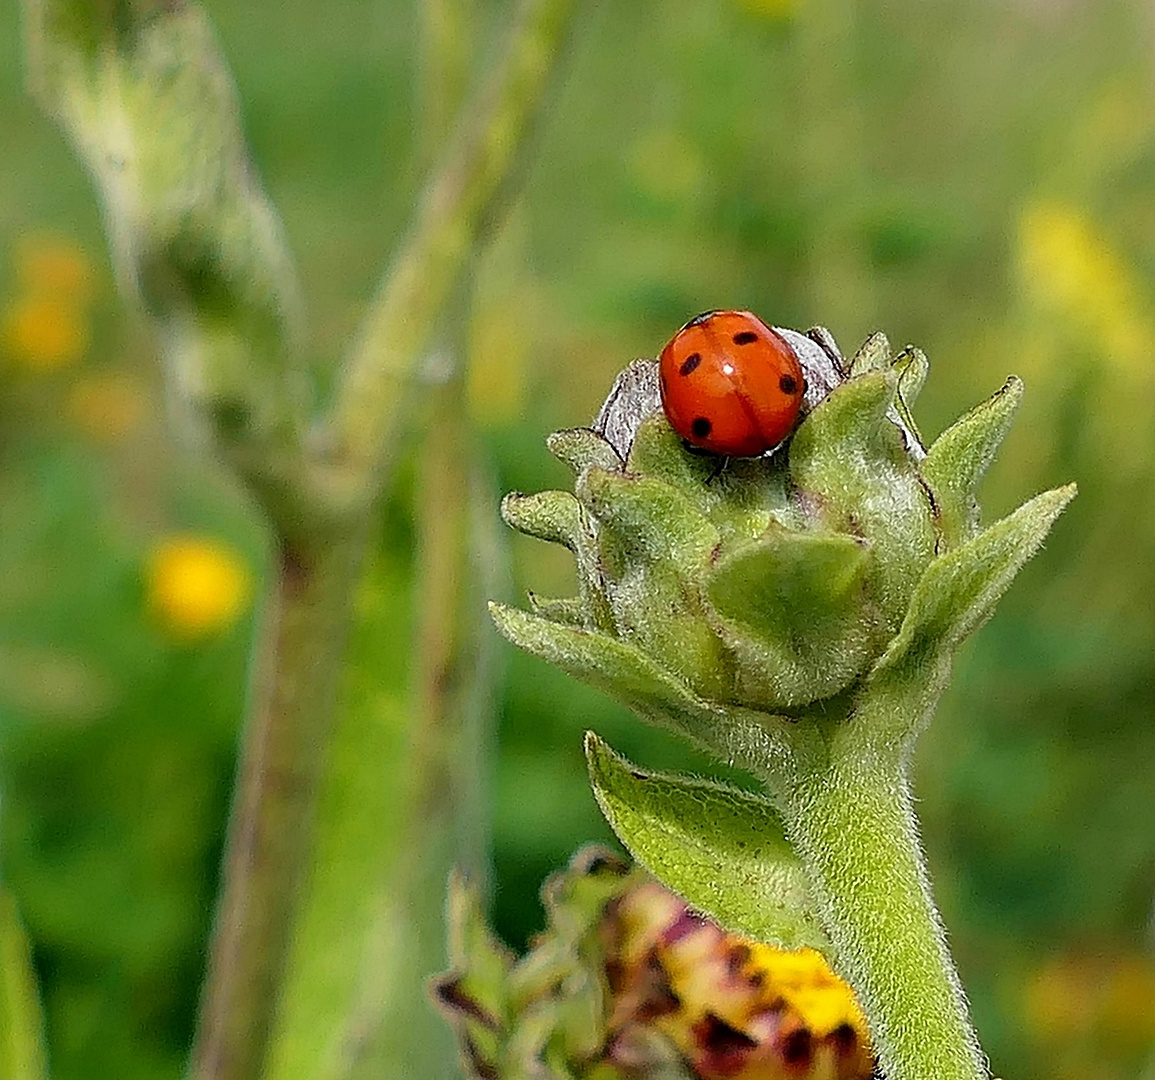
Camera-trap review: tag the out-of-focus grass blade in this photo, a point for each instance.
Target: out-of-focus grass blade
(21, 1024)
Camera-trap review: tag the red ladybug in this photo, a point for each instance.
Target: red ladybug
(730, 384)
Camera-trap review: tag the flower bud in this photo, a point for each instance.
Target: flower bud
(772, 584)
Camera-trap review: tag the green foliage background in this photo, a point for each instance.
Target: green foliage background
(977, 178)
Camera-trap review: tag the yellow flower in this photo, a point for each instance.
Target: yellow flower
(50, 265)
(809, 987)
(1072, 272)
(43, 332)
(734, 1009)
(196, 586)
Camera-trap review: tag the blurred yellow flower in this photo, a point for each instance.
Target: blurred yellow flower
(43, 333)
(196, 585)
(51, 265)
(1071, 271)
(107, 405)
(1089, 1001)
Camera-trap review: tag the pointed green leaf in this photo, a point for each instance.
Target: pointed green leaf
(911, 366)
(640, 518)
(21, 1024)
(959, 590)
(569, 610)
(792, 608)
(581, 448)
(654, 547)
(734, 733)
(723, 850)
(474, 995)
(960, 456)
(850, 465)
(874, 355)
(555, 516)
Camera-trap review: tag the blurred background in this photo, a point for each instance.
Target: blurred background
(977, 178)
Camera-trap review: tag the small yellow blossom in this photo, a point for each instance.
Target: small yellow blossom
(106, 406)
(196, 586)
(42, 333)
(1092, 324)
(56, 266)
(1074, 274)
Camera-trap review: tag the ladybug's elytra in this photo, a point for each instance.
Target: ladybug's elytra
(730, 384)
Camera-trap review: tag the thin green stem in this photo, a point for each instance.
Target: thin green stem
(853, 825)
(447, 37)
(457, 210)
(294, 688)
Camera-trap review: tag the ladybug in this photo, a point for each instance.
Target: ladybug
(730, 385)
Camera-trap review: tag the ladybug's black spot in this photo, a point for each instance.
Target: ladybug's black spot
(691, 362)
(787, 384)
(701, 427)
(745, 337)
(697, 320)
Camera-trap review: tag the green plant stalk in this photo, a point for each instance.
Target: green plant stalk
(853, 825)
(464, 198)
(294, 686)
(390, 1030)
(455, 215)
(447, 34)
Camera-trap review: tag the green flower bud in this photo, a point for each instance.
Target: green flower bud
(714, 593)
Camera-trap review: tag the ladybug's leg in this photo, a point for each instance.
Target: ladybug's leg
(721, 461)
(722, 465)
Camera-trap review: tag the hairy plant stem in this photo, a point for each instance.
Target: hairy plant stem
(292, 698)
(852, 823)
